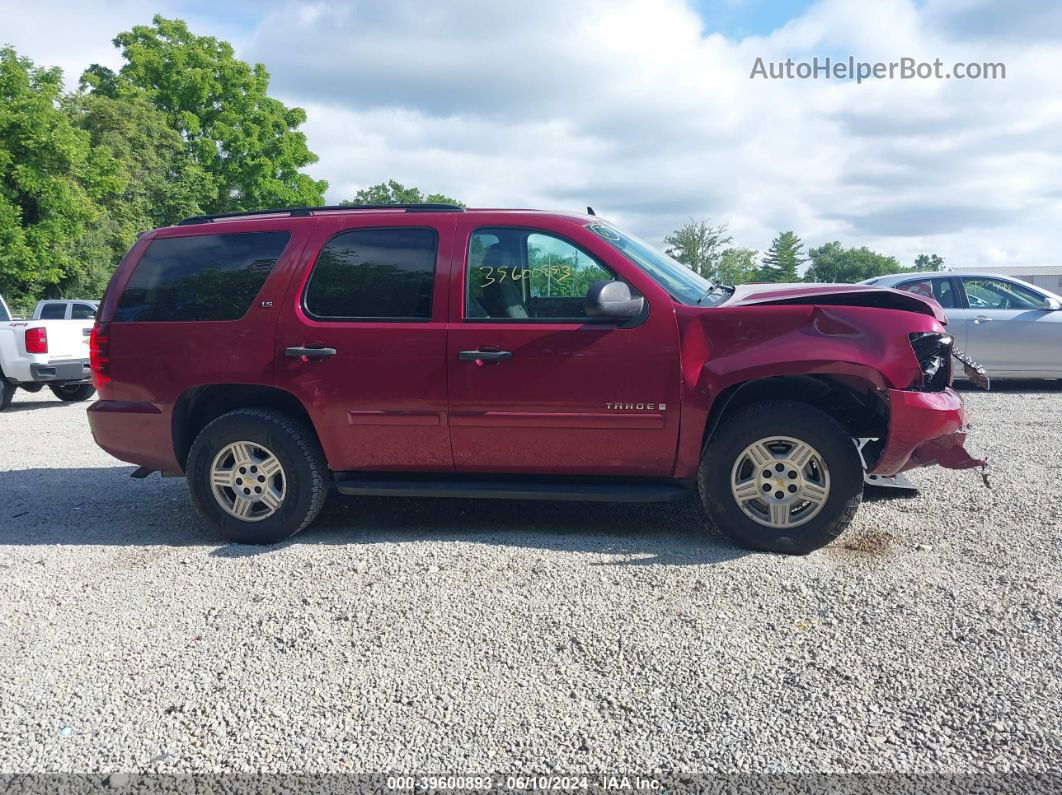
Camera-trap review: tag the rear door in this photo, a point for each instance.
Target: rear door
(535, 385)
(373, 293)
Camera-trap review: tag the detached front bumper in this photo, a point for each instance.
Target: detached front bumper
(924, 428)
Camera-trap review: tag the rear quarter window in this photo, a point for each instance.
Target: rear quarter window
(202, 277)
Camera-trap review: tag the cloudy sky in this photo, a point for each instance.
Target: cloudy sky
(645, 108)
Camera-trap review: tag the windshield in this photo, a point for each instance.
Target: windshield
(681, 283)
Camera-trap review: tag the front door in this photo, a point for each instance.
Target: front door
(362, 341)
(1010, 329)
(538, 387)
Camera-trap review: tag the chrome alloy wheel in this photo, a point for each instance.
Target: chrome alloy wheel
(248, 481)
(780, 482)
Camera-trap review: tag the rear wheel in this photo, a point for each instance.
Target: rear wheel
(7, 392)
(257, 475)
(781, 476)
(72, 393)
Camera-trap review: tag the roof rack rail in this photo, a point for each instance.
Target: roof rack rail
(429, 207)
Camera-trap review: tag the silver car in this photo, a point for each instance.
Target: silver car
(1011, 327)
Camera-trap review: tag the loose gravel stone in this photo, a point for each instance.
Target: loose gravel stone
(464, 636)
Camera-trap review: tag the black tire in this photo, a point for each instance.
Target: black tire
(72, 393)
(7, 392)
(294, 445)
(33, 388)
(801, 422)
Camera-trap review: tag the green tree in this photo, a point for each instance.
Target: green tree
(698, 245)
(161, 182)
(246, 141)
(929, 262)
(737, 266)
(834, 263)
(783, 259)
(51, 181)
(393, 192)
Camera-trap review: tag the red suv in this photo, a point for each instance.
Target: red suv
(428, 350)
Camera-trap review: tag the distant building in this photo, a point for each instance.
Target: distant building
(1047, 276)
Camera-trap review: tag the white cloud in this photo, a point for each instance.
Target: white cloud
(636, 108)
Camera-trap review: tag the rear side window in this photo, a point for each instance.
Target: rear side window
(374, 274)
(204, 277)
(53, 312)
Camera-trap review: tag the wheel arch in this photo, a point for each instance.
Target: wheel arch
(856, 403)
(198, 406)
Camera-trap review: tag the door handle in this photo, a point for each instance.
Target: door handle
(982, 319)
(310, 352)
(484, 356)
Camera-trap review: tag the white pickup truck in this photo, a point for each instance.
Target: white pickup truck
(39, 353)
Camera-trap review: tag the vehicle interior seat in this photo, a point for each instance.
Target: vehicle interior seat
(945, 294)
(503, 297)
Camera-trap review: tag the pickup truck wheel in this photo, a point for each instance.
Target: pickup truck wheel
(781, 476)
(72, 393)
(7, 392)
(257, 475)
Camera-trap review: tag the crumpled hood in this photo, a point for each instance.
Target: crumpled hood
(835, 295)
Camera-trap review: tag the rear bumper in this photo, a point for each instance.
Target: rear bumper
(924, 428)
(68, 370)
(140, 433)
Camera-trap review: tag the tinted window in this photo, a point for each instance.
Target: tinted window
(520, 274)
(83, 312)
(204, 277)
(374, 274)
(53, 312)
(998, 294)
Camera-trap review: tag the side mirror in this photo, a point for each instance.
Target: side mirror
(612, 299)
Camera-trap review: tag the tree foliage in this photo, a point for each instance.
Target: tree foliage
(834, 263)
(782, 260)
(737, 266)
(393, 192)
(160, 183)
(246, 143)
(51, 181)
(698, 245)
(929, 262)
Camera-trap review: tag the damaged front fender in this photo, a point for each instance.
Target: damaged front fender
(925, 428)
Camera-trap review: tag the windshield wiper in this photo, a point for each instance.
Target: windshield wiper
(716, 288)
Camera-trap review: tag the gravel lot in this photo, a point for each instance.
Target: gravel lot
(462, 636)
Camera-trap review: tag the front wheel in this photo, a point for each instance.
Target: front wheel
(72, 393)
(257, 475)
(781, 476)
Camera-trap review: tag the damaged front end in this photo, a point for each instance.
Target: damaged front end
(927, 422)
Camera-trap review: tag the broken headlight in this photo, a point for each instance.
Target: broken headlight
(933, 351)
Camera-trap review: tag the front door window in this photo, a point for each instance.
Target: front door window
(524, 275)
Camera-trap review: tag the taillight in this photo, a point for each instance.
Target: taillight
(36, 340)
(100, 355)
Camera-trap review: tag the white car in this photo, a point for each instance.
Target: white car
(39, 353)
(53, 309)
(1010, 327)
